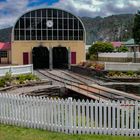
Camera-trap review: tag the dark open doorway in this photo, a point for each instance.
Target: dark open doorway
(40, 57)
(60, 57)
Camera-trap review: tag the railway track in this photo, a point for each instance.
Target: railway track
(80, 77)
(59, 78)
(95, 91)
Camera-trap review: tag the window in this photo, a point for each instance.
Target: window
(59, 14)
(33, 35)
(54, 34)
(49, 34)
(55, 23)
(54, 13)
(32, 14)
(44, 13)
(22, 34)
(65, 35)
(27, 34)
(27, 15)
(75, 35)
(3, 53)
(21, 23)
(27, 23)
(44, 34)
(44, 23)
(70, 23)
(38, 34)
(60, 35)
(75, 24)
(17, 25)
(65, 24)
(60, 23)
(65, 15)
(49, 13)
(38, 13)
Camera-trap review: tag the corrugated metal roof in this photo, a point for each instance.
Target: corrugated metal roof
(130, 42)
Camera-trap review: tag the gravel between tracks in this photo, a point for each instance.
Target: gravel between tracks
(21, 90)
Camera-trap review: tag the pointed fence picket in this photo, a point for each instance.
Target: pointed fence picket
(71, 116)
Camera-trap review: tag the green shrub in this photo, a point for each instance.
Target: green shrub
(2, 82)
(93, 57)
(122, 49)
(130, 73)
(122, 74)
(29, 77)
(111, 73)
(87, 56)
(8, 77)
(21, 79)
(138, 72)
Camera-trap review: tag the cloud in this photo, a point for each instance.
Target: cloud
(93, 8)
(10, 10)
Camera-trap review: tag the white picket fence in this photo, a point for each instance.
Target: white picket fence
(116, 66)
(15, 70)
(71, 116)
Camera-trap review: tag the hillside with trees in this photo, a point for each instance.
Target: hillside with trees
(136, 28)
(111, 28)
(5, 34)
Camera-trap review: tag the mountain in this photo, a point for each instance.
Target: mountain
(111, 28)
(5, 34)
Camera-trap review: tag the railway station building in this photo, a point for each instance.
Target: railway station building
(48, 38)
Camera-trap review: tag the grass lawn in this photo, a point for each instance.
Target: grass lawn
(17, 133)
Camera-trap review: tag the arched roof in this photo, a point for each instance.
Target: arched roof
(80, 23)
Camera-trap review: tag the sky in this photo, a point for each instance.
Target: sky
(11, 10)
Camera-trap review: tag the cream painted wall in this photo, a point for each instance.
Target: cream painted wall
(18, 47)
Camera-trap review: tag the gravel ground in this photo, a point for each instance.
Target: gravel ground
(22, 90)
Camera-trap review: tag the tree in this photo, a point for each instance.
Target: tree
(122, 49)
(100, 47)
(136, 28)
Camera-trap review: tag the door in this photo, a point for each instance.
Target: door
(73, 57)
(25, 58)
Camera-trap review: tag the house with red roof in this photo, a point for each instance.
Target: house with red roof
(116, 44)
(5, 52)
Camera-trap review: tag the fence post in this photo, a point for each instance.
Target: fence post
(32, 70)
(79, 116)
(74, 116)
(118, 118)
(10, 70)
(96, 117)
(70, 114)
(132, 118)
(104, 65)
(122, 119)
(136, 118)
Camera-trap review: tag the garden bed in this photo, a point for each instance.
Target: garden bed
(8, 81)
(35, 83)
(87, 71)
(128, 76)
